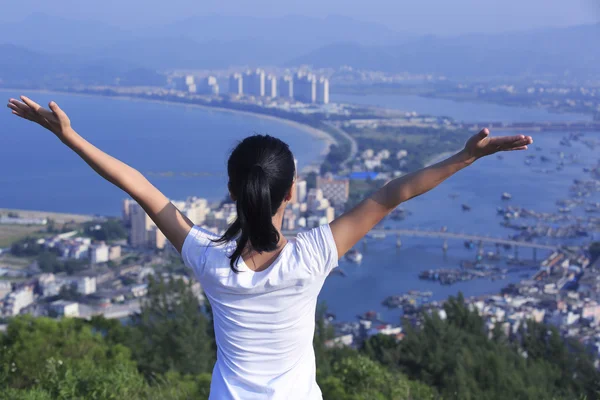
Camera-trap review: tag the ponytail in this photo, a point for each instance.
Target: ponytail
(259, 185)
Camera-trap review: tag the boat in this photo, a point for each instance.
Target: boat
(354, 256)
(378, 235)
(466, 207)
(506, 196)
(468, 244)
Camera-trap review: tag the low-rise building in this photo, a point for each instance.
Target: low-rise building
(65, 308)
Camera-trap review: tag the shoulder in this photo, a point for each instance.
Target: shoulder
(317, 248)
(196, 246)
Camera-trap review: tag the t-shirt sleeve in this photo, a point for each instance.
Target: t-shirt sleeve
(318, 250)
(195, 248)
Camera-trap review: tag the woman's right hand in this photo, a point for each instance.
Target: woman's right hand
(55, 119)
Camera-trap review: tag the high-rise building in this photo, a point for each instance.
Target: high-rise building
(305, 87)
(209, 85)
(271, 86)
(194, 208)
(255, 83)
(156, 239)
(323, 90)
(236, 84)
(301, 191)
(335, 190)
(125, 211)
(140, 225)
(190, 83)
(286, 87)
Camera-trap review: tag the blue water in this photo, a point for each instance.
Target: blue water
(40, 173)
(459, 111)
(386, 270)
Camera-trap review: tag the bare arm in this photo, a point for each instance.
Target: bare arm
(356, 223)
(172, 223)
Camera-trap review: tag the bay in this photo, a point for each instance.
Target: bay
(182, 149)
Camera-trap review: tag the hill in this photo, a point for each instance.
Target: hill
(566, 51)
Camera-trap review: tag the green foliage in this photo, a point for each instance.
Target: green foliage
(47, 259)
(357, 377)
(26, 247)
(171, 333)
(109, 230)
(64, 360)
(457, 358)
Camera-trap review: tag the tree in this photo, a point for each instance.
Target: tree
(42, 351)
(112, 229)
(170, 333)
(357, 377)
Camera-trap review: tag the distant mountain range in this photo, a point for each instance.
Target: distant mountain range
(51, 47)
(572, 50)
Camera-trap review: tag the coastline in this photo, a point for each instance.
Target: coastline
(319, 134)
(55, 216)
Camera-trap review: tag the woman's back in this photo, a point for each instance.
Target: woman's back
(264, 321)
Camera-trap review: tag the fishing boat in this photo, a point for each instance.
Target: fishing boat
(354, 256)
(506, 196)
(466, 207)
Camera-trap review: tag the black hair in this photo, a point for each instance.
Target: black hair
(261, 171)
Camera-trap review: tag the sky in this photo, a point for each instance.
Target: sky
(439, 17)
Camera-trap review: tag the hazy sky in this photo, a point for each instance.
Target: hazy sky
(416, 16)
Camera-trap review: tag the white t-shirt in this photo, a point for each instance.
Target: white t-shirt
(264, 321)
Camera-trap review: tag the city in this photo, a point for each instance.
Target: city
(491, 277)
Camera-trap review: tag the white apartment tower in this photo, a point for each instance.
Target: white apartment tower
(255, 83)
(140, 225)
(286, 87)
(236, 84)
(305, 88)
(271, 86)
(323, 90)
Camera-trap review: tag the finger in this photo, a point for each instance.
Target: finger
(18, 114)
(19, 104)
(483, 133)
(13, 107)
(32, 104)
(56, 110)
(517, 148)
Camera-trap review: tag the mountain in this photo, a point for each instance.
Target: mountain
(24, 67)
(294, 30)
(196, 42)
(550, 51)
(45, 33)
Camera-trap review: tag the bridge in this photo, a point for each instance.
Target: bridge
(451, 235)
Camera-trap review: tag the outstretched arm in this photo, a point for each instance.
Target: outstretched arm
(172, 223)
(355, 224)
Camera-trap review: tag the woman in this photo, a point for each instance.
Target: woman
(262, 286)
